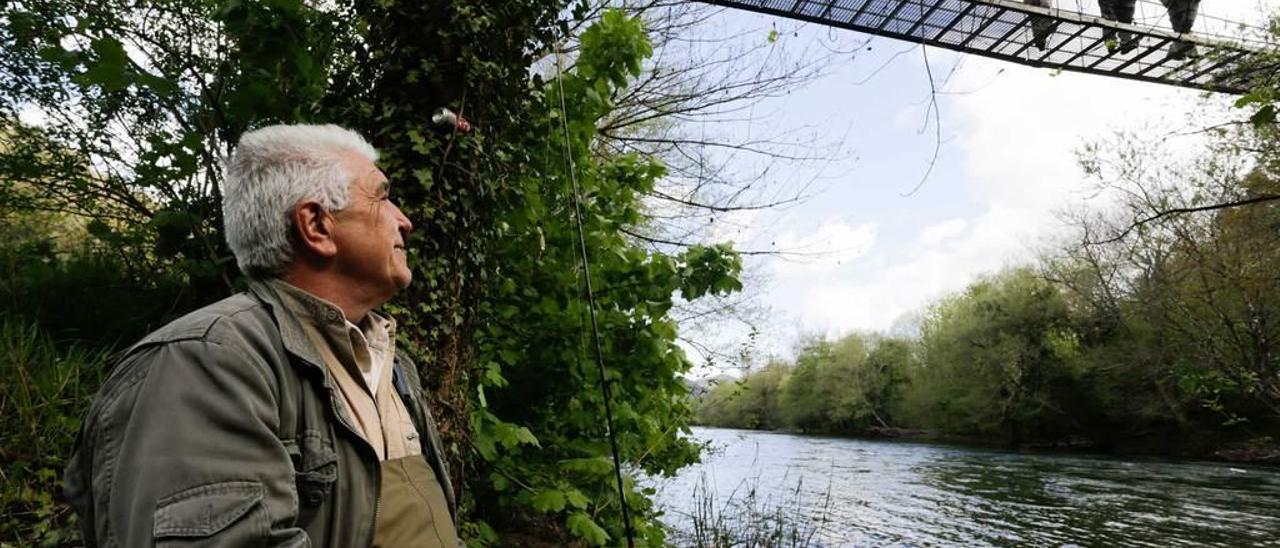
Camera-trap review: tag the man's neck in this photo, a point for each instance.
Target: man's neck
(334, 291)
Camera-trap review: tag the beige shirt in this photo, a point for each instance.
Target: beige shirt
(360, 357)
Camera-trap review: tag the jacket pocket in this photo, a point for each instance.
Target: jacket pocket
(223, 514)
(315, 466)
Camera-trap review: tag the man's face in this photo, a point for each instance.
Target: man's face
(370, 232)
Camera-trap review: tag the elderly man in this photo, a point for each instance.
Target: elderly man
(281, 416)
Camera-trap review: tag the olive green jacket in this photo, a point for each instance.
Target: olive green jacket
(225, 428)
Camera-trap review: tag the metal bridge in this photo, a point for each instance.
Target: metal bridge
(1003, 29)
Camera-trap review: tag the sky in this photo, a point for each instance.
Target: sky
(1007, 163)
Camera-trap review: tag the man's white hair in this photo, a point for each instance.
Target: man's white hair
(273, 169)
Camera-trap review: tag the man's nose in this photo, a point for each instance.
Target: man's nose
(403, 222)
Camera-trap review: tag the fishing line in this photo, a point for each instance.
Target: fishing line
(591, 303)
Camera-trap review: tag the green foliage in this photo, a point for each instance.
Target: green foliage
(44, 393)
(612, 52)
(395, 64)
(539, 373)
(1262, 99)
(810, 395)
(851, 385)
(56, 272)
(882, 381)
(995, 357)
(751, 402)
(285, 51)
(138, 102)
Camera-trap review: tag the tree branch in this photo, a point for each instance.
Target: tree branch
(1181, 210)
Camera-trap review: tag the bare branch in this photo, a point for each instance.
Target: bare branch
(1181, 210)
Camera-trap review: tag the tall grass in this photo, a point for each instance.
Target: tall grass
(43, 392)
(746, 519)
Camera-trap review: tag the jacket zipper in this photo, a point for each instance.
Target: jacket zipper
(377, 505)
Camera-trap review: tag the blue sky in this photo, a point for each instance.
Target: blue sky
(1006, 165)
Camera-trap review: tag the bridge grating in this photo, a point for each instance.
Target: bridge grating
(1002, 29)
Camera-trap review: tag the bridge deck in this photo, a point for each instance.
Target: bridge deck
(1001, 29)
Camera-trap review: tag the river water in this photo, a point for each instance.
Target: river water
(845, 492)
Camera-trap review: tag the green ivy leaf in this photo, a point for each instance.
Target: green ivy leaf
(110, 69)
(1264, 116)
(584, 527)
(162, 86)
(524, 435)
(593, 466)
(549, 500)
(499, 481)
(576, 499)
(66, 60)
(493, 376)
(100, 230)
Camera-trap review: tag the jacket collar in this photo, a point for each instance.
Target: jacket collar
(277, 294)
(271, 292)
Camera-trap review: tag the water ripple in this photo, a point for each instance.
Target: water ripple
(869, 493)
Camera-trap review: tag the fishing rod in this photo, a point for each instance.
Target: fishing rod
(447, 118)
(591, 305)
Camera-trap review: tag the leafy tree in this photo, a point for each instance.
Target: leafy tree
(751, 402)
(997, 358)
(119, 113)
(838, 386)
(882, 381)
(1195, 288)
(806, 395)
(825, 392)
(539, 376)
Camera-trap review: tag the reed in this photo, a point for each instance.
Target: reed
(44, 390)
(746, 518)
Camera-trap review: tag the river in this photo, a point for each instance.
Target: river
(830, 491)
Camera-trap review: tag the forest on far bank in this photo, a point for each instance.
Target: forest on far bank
(1151, 328)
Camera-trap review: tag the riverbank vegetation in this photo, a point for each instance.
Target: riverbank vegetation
(1152, 327)
(746, 517)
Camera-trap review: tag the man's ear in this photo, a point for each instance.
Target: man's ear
(313, 227)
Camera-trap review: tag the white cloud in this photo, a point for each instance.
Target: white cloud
(823, 251)
(936, 234)
(872, 298)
